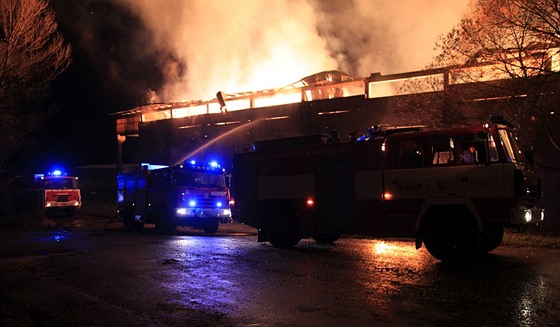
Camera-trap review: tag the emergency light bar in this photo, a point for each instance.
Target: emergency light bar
(54, 173)
(193, 164)
(383, 130)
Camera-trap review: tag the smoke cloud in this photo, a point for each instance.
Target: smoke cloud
(236, 46)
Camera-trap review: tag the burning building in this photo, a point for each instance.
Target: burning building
(170, 132)
(329, 102)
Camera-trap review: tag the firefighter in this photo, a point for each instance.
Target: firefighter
(470, 155)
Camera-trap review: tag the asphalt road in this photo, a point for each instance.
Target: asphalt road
(87, 275)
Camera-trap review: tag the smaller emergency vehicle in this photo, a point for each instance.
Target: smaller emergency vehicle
(192, 194)
(61, 193)
(453, 190)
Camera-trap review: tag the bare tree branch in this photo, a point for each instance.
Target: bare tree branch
(500, 40)
(32, 54)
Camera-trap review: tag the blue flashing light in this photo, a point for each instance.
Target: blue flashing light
(55, 170)
(197, 165)
(58, 236)
(219, 204)
(192, 203)
(55, 173)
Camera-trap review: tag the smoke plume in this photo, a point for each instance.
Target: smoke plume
(235, 46)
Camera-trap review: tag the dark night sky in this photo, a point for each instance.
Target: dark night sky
(101, 80)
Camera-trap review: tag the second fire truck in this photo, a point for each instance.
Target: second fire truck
(453, 190)
(192, 194)
(61, 193)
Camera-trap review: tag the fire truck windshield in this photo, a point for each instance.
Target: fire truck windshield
(59, 183)
(512, 149)
(194, 178)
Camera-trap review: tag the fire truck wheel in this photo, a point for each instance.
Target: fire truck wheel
(283, 228)
(326, 238)
(128, 220)
(451, 236)
(211, 227)
(491, 238)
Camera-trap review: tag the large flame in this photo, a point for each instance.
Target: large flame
(236, 46)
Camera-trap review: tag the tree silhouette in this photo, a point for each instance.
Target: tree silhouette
(505, 48)
(32, 54)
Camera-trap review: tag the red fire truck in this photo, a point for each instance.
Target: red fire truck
(193, 194)
(61, 193)
(454, 190)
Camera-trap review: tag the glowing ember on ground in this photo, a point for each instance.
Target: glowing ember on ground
(394, 248)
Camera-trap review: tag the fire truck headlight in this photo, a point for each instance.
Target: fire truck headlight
(48, 204)
(542, 215)
(227, 212)
(185, 212)
(528, 215)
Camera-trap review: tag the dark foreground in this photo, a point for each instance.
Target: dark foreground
(84, 274)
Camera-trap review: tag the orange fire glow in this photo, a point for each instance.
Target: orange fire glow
(393, 249)
(235, 46)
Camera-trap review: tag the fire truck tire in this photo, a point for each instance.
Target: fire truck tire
(128, 220)
(451, 236)
(326, 238)
(283, 228)
(211, 227)
(491, 238)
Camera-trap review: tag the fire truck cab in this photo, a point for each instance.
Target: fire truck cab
(61, 193)
(453, 190)
(193, 194)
